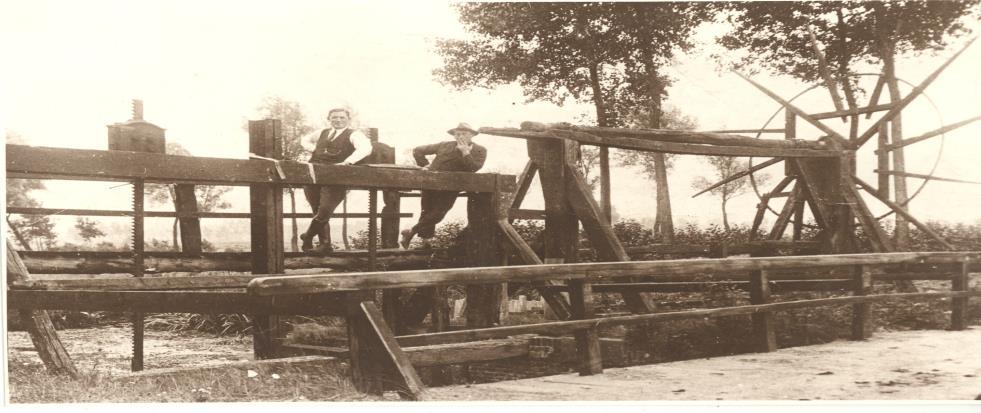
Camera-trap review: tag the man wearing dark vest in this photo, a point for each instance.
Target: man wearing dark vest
(458, 155)
(338, 145)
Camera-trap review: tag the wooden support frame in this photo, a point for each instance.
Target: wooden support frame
(789, 206)
(797, 111)
(880, 241)
(763, 322)
(958, 305)
(867, 110)
(411, 386)
(39, 326)
(764, 202)
(922, 176)
(483, 249)
(740, 175)
(861, 312)
(266, 208)
(902, 212)
(556, 302)
(598, 135)
(925, 136)
(829, 81)
(587, 341)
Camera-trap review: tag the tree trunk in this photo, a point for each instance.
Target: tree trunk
(604, 153)
(725, 215)
(173, 197)
(663, 221)
(20, 237)
(896, 136)
(177, 246)
(293, 241)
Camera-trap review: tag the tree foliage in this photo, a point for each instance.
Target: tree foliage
(88, 229)
(724, 167)
(672, 118)
(775, 33)
(293, 125)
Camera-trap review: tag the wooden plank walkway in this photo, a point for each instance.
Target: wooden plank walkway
(911, 365)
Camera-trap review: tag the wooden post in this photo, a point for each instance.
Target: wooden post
(862, 312)
(561, 225)
(789, 133)
(882, 160)
(39, 325)
(190, 227)
(407, 381)
(483, 249)
(587, 341)
(365, 368)
(763, 322)
(266, 208)
(958, 305)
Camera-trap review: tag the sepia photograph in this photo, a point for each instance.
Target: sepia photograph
(443, 205)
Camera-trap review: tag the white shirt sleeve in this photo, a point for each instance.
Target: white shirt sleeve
(362, 147)
(309, 141)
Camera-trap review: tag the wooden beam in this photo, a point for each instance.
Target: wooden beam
(526, 214)
(689, 287)
(764, 202)
(483, 249)
(599, 230)
(659, 146)
(266, 229)
(39, 326)
(462, 353)
(913, 94)
(587, 341)
(170, 214)
(780, 226)
(605, 199)
(294, 284)
(558, 303)
(927, 177)
(829, 81)
(797, 111)
(411, 386)
(861, 312)
(764, 328)
(812, 190)
(904, 213)
(673, 136)
(153, 167)
(880, 241)
(524, 183)
(876, 93)
(925, 136)
(201, 302)
(745, 131)
(850, 112)
(958, 305)
(565, 327)
(740, 175)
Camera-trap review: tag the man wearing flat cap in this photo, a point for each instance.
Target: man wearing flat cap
(458, 155)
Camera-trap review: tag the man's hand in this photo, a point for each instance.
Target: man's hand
(464, 148)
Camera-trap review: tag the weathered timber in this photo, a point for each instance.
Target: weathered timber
(797, 111)
(829, 81)
(114, 165)
(764, 329)
(367, 372)
(524, 183)
(587, 341)
(190, 227)
(861, 312)
(882, 161)
(880, 241)
(604, 169)
(816, 191)
(202, 302)
(684, 287)
(764, 204)
(39, 326)
(411, 386)
(783, 219)
(659, 146)
(266, 233)
(306, 362)
(745, 131)
(925, 136)
(561, 225)
(740, 175)
(483, 248)
(922, 176)
(595, 271)
(598, 229)
(902, 211)
(872, 108)
(558, 304)
(459, 353)
(105, 262)
(565, 327)
(876, 93)
(676, 136)
(169, 214)
(958, 305)
(897, 107)
(526, 214)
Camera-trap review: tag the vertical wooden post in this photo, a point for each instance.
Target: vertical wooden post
(861, 312)
(561, 225)
(882, 160)
(763, 322)
(266, 208)
(190, 227)
(39, 325)
(958, 305)
(366, 371)
(898, 155)
(587, 341)
(483, 248)
(789, 132)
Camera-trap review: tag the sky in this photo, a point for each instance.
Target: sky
(202, 68)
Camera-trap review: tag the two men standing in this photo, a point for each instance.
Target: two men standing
(341, 145)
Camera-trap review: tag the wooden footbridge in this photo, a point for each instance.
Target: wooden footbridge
(822, 170)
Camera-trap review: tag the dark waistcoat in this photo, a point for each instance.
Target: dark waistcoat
(335, 150)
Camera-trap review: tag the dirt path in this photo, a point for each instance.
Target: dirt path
(917, 365)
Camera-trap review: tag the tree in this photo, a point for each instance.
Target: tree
(775, 35)
(88, 229)
(31, 231)
(725, 167)
(608, 54)
(293, 126)
(208, 197)
(655, 165)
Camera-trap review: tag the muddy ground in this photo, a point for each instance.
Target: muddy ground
(911, 365)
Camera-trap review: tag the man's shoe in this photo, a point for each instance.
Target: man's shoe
(307, 242)
(406, 238)
(324, 248)
(425, 244)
